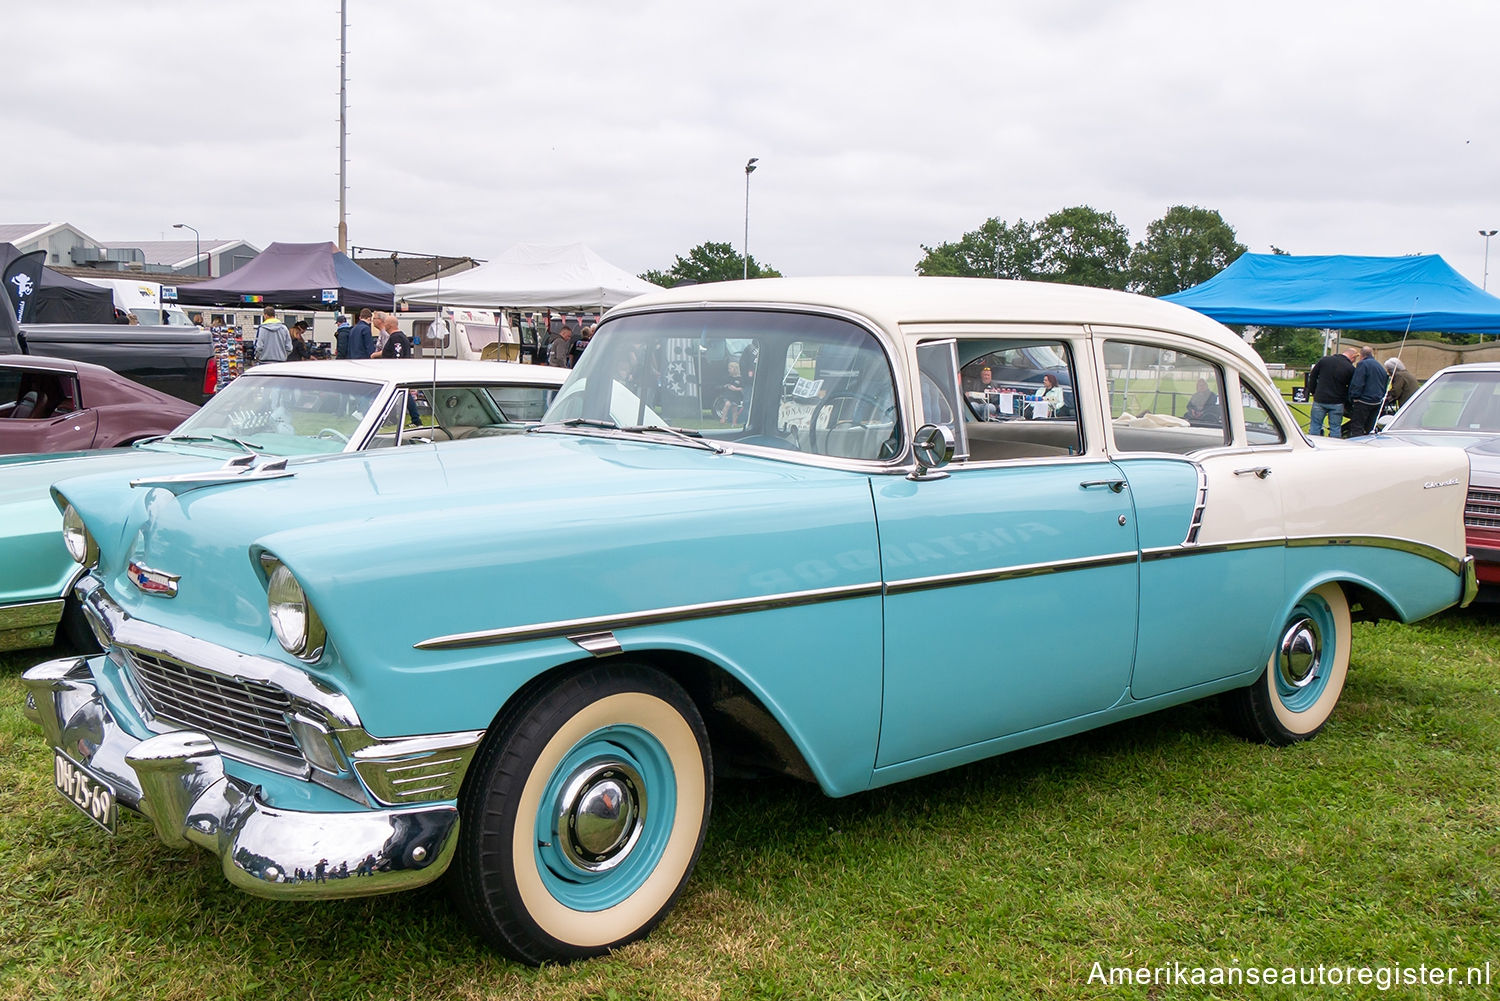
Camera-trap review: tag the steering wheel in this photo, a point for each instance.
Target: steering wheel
(812, 424)
(333, 433)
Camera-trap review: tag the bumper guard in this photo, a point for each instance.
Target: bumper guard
(177, 779)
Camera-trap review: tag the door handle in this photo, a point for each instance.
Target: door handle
(1115, 485)
(1260, 471)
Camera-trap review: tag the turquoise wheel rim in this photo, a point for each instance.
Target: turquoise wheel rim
(1305, 654)
(605, 817)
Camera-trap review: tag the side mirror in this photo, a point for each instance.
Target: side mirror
(932, 446)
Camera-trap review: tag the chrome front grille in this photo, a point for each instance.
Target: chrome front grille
(250, 713)
(1482, 509)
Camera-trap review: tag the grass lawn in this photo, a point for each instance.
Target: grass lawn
(1157, 841)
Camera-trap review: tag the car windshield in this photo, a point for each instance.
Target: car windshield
(781, 380)
(283, 415)
(1454, 401)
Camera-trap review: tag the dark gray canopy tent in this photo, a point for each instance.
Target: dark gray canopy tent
(1340, 292)
(61, 299)
(294, 276)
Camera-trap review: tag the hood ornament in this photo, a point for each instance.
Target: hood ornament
(241, 469)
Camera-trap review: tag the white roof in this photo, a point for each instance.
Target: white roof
(896, 301)
(537, 275)
(418, 370)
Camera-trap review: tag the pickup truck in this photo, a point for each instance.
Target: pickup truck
(174, 360)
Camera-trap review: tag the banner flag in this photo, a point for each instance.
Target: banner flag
(22, 279)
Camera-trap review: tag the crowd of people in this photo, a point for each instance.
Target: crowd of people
(1350, 388)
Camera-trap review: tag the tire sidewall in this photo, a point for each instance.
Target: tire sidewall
(1300, 725)
(502, 856)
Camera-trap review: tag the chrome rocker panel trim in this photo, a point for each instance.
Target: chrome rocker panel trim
(177, 779)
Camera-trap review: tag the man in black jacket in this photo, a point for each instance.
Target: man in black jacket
(1328, 384)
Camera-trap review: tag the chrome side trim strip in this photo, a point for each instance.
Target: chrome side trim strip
(1008, 573)
(1446, 560)
(595, 634)
(1422, 549)
(1195, 524)
(624, 620)
(1193, 549)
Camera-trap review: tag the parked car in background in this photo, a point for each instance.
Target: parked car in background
(55, 405)
(1460, 407)
(292, 410)
(850, 578)
(174, 360)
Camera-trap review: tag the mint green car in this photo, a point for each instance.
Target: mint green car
(293, 410)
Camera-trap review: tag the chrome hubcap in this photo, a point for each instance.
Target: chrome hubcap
(1300, 654)
(599, 815)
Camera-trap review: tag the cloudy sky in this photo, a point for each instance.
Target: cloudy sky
(1320, 126)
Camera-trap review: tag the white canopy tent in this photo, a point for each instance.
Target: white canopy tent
(566, 276)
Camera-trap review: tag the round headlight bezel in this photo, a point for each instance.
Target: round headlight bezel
(293, 619)
(76, 538)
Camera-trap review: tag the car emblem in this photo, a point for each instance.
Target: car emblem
(163, 585)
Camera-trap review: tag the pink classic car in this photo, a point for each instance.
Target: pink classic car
(56, 405)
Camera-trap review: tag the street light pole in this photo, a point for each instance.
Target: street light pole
(749, 169)
(197, 248)
(1487, 233)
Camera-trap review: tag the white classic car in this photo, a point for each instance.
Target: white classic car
(760, 527)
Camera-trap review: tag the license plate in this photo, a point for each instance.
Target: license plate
(85, 790)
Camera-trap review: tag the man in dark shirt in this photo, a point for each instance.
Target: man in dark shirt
(1366, 393)
(361, 340)
(1328, 382)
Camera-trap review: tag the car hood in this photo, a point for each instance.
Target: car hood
(1483, 449)
(398, 546)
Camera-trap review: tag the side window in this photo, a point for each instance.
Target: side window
(1161, 400)
(1019, 400)
(1260, 427)
(387, 433)
(937, 368)
(522, 404)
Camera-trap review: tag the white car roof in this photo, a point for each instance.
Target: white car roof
(895, 301)
(417, 370)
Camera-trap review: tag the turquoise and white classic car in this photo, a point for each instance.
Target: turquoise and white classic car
(291, 410)
(763, 524)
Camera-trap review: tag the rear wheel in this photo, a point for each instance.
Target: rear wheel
(1302, 683)
(583, 815)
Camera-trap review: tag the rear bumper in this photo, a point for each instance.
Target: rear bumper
(177, 779)
(32, 624)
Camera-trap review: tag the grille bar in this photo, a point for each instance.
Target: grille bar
(1482, 509)
(248, 712)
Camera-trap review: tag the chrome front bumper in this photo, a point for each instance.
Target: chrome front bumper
(177, 779)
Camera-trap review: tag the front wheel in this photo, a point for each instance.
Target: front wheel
(583, 815)
(1302, 683)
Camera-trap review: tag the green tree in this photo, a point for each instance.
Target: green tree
(1083, 246)
(1298, 347)
(709, 262)
(996, 249)
(1185, 247)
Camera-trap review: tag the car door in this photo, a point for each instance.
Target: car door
(1011, 583)
(1208, 508)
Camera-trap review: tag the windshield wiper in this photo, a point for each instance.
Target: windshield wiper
(248, 446)
(689, 436)
(607, 423)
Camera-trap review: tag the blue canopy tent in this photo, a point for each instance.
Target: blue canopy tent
(1341, 292)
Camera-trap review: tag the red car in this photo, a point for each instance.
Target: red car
(56, 405)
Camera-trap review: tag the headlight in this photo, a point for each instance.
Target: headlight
(77, 538)
(296, 625)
